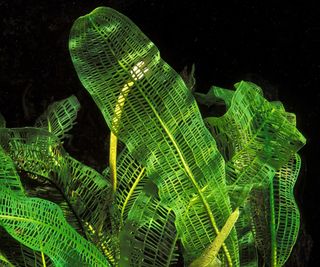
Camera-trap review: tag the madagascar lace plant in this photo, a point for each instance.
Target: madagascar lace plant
(216, 191)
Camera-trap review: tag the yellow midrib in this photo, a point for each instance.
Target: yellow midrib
(190, 174)
(131, 192)
(113, 160)
(184, 163)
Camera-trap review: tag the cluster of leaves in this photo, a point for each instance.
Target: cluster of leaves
(178, 179)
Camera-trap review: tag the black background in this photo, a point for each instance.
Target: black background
(274, 46)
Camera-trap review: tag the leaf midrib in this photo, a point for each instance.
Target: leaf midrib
(176, 146)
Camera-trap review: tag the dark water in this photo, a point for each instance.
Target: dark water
(276, 47)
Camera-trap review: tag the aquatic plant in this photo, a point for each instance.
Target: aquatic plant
(213, 191)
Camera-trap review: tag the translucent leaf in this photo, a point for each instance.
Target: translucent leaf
(26, 257)
(33, 150)
(259, 139)
(9, 177)
(90, 195)
(149, 235)
(59, 117)
(86, 192)
(215, 96)
(40, 225)
(132, 179)
(209, 257)
(247, 245)
(4, 260)
(287, 216)
(145, 227)
(255, 137)
(277, 220)
(150, 109)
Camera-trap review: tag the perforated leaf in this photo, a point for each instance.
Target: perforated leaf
(149, 228)
(160, 124)
(287, 216)
(209, 257)
(19, 255)
(215, 96)
(33, 150)
(85, 190)
(90, 194)
(171, 181)
(4, 261)
(259, 139)
(256, 139)
(145, 226)
(59, 117)
(276, 216)
(9, 177)
(40, 225)
(131, 179)
(247, 245)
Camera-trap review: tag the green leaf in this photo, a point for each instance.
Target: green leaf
(132, 180)
(90, 195)
(85, 191)
(287, 216)
(4, 260)
(259, 139)
(138, 211)
(59, 117)
(160, 124)
(9, 177)
(256, 139)
(247, 245)
(33, 150)
(40, 225)
(149, 236)
(276, 215)
(20, 255)
(215, 96)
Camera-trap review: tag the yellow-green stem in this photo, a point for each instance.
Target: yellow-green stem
(208, 257)
(113, 160)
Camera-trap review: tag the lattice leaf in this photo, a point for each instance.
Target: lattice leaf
(147, 235)
(215, 96)
(59, 117)
(147, 105)
(13, 253)
(287, 217)
(260, 139)
(40, 225)
(9, 177)
(87, 193)
(90, 194)
(33, 150)
(131, 181)
(247, 245)
(4, 260)
(149, 229)
(276, 216)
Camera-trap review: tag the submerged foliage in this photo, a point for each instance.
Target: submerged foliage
(213, 191)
